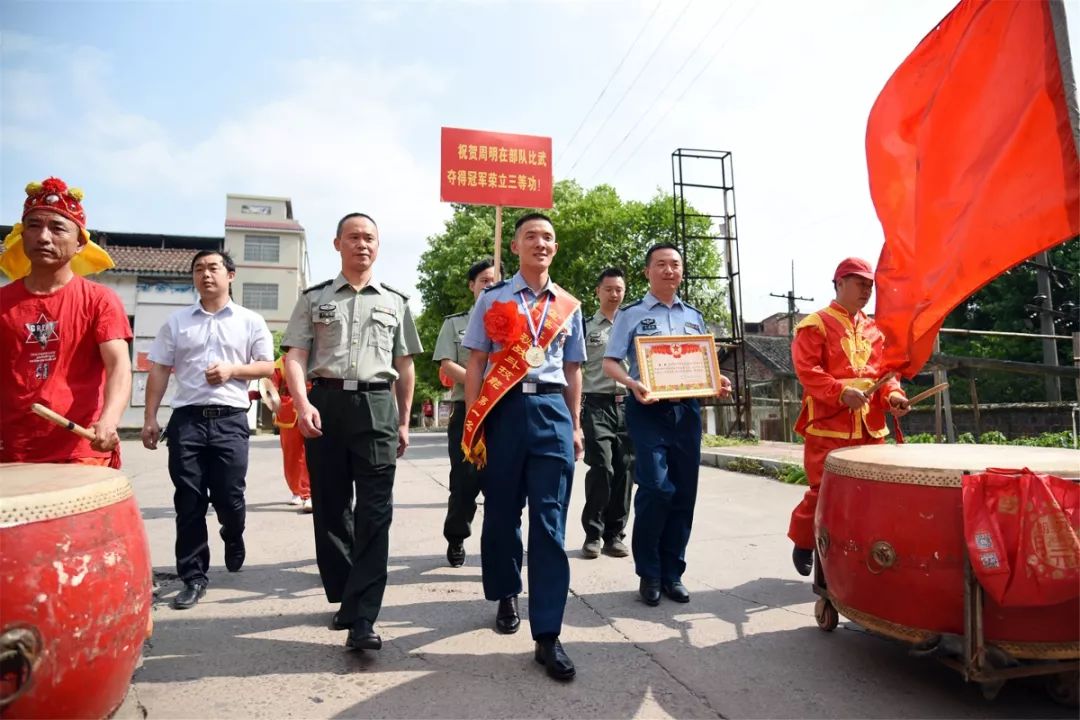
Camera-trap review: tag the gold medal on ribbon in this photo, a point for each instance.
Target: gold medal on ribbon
(534, 356)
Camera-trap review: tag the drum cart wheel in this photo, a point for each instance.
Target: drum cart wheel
(824, 611)
(827, 616)
(1064, 688)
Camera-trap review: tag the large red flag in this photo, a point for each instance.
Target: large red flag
(972, 155)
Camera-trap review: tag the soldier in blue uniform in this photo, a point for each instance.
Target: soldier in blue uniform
(533, 437)
(666, 434)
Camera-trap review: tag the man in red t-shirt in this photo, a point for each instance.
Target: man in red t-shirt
(63, 339)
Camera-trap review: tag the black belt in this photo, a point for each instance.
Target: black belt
(350, 385)
(209, 411)
(616, 398)
(535, 388)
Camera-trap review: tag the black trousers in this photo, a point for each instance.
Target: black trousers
(609, 480)
(208, 460)
(355, 457)
(464, 482)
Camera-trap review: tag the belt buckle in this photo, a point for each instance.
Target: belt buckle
(211, 412)
(529, 388)
(350, 384)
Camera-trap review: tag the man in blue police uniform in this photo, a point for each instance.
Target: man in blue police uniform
(666, 434)
(529, 404)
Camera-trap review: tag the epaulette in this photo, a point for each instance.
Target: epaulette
(627, 306)
(318, 287)
(686, 304)
(454, 315)
(394, 290)
(496, 285)
(811, 320)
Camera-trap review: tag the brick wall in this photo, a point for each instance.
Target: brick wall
(1013, 419)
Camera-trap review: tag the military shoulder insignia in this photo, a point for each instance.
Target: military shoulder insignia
(394, 290)
(318, 287)
(454, 315)
(629, 305)
(496, 285)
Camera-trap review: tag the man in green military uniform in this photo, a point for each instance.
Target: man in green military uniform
(354, 338)
(608, 452)
(452, 357)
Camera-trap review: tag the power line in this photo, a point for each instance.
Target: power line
(632, 84)
(664, 88)
(686, 90)
(609, 81)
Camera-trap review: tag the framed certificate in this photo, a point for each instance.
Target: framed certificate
(678, 366)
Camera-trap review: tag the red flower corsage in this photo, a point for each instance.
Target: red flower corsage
(503, 323)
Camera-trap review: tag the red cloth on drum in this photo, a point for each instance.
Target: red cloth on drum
(49, 354)
(831, 351)
(1021, 534)
(293, 454)
(801, 527)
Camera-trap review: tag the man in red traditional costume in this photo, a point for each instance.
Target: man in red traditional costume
(63, 339)
(292, 442)
(837, 357)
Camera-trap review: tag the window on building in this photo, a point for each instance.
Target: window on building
(262, 248)
(260, 296)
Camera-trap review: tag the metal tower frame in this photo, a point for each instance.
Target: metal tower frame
(714, 182)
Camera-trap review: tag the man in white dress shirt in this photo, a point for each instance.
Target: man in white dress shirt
(215, 347)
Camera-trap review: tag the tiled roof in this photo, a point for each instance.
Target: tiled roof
(171, 261)
(290, 225)
(775, 352)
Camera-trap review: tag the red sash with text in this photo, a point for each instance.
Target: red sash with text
(508, 368)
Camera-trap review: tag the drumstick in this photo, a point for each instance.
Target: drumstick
(927, 393)
(62, 421)
(884, 379)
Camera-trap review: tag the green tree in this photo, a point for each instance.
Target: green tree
(1000, 305)
(595, 229)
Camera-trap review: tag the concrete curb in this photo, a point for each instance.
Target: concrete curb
(712, 457)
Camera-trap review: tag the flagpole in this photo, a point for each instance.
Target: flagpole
(498, 243)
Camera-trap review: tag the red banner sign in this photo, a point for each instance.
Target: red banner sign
(487, 168)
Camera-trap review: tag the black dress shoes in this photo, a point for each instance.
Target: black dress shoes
(650, 591)
(455, 554)
(190, 595)
(234, 552)
(550, 654)
(362, 636)
(803, 560)
(336, 623)
(507, 620)
(676, 591)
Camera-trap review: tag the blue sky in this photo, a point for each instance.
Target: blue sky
(158, 109)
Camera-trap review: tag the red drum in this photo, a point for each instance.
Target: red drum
(75, 590)
(890, 538)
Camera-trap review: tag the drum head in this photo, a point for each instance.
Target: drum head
(33, 492)
(945, 465)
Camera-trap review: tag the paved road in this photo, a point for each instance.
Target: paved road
(745, 647)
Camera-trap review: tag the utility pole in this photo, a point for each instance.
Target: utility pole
(1046, 324)
(792, 311)
(791, 298)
